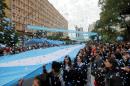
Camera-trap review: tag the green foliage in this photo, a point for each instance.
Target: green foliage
(111, 10)
(7, 36)
(3, 6)
(108, 34)
(111, 16)
(54, 37)
(10, 37)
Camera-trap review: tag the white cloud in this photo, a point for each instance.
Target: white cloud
(78, 12)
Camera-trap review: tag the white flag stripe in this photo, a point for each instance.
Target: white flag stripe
(40, 59)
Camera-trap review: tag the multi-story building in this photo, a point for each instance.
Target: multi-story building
(91, 27)
(78, 35)
(34, 12)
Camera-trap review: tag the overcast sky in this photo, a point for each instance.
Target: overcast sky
(78, 12)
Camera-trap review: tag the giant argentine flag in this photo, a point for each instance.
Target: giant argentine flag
(29, 64)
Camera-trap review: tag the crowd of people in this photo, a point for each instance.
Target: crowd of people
(109, 65)
(14, 50)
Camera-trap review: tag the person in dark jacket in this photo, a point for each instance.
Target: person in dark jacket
(112, 73)
(80, 73)
(97, 70)
(67, 71)
(125, 66)
(49, 79)
(44, 78)
(54, 75)
(118, 54)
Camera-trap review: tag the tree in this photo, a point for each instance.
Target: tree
(108, 33)
(8, 35)
(111, 13)
(3, 6)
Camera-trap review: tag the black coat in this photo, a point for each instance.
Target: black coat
(113, 78)
(49, 79)
(67, 74)
(125, 76)
(98, 72)
(44, 79)
(54, 80)
(79, 75)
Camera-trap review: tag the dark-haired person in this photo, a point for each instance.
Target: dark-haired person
(67, 71)
(44, 77)
(97, 70)
(118, 54)
(54, 75)
(125, 66)
(80, 73)
(112, 73)
(49, 79)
